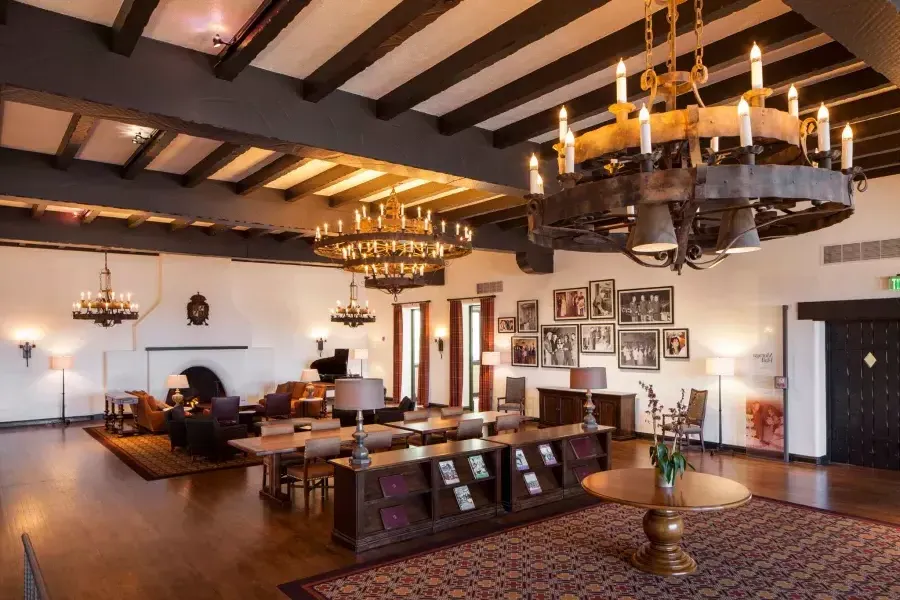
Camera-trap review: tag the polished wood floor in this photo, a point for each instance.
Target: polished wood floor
(101, 531)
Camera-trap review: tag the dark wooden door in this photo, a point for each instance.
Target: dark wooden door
(549, 409)
(572, 409)
(864, 393)
(608, 412)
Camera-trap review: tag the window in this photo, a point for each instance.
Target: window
(474, 335)
(412, 330)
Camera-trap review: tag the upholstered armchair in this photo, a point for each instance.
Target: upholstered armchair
(225, 409)
(696, 414)
(304, 407)
(208, 439)
(176, 428)
(148, 415)
(515, 396)
(275, 406)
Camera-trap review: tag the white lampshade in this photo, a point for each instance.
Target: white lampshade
(60, 363)
(359, 354)
(358, 394)
(309, 375)
(490, 359)
(177, 382)
(720, 366)
(587, 378)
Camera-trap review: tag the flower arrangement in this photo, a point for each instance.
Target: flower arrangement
(669, 462)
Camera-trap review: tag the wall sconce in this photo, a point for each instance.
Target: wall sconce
(441, 333)
(27, 347)
(320, 344)
(219, 42)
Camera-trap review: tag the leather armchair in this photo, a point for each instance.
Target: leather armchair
(276, 406)
(225, 409)
(208, 439)
(176, 428)
(148, 416)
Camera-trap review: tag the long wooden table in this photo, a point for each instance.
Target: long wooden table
(272, 447)
(435, 425)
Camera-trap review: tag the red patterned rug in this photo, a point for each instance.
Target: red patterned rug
(764, 549)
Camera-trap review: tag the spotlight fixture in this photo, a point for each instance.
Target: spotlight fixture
(27, 347)
(218, 42)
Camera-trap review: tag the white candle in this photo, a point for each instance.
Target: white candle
(644, 118)
(570, 152)
(443, 226)
(326, 228)
(714, 144)
(379, 222)
(824, 133)
(540, 185)
(403, 221)
(340, 226)
(744, 117)
(847, 147)
(563, 124)
(793, 102)
(382, 209)
(756, 75)
(533, 175)
(419, 212)
(621, 85)
(318, 233)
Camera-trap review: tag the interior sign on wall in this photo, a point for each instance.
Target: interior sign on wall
(894, 283)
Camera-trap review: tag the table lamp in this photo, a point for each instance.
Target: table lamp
(61, 363)
(720, 367)
(359, 395)
(587, 379)
(359, 354)
(309, 376)
(177, 382)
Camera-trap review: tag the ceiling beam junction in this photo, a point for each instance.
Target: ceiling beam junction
(129, 25)
(146, 152)
(212, 163)
(77, 133)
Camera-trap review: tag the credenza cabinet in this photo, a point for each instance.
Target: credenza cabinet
(563, 406)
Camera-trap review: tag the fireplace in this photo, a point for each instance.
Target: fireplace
(204, 385)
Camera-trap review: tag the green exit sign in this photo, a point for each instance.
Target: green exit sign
(894, 283)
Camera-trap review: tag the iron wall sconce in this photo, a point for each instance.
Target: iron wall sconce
(320, 345)
(440, 344)
(27, 347)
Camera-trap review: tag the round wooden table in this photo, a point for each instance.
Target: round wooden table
(696, 492)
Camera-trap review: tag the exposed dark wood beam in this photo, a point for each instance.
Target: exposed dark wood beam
(513, 224)
(258, 32)
(289, 236)
(277, 168)
(866, 127)
(216, 229)
(129, 25)
(135, 221)
(599, 55)
(179, 224)
(515, 212)
(868, 115)
(528, 26)
(391, 30)
(458, 200)
(317, 183)
(38, 210)
(482, 208)
(255, 232)
(422, 191)
(146, 152)
(374, 186)
(3, 7)
(841, 90)
(77, 133)
(212, 163)
(89, 216)
(883, 171)
(878, 160)
(875, 146)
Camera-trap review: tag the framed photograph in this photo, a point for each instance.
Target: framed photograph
(527, 315)
(603, 299)
(524, 351)
(597, 338)
(647, 306)
(639, 349)
(559, 346)
(506, 325)
(570, 304)
(676, 343)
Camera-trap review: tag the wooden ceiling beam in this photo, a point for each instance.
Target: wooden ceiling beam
(179, 224)
(457, 200)
(530, 25)
(395, 27)
(373, 186)
(868, 114)
(129, 25)
(483, 208)
(883, 171)
(38, 210)
(586, 61)
(135, 221)
(870, 124)
(146, 152)
(259, 31)
(317, 183)
(216, 229)
(3, 6)
(279, 167)
(515, 212)
(89, 216)
(425, 190)
(77, 133)
(879, 160)
(212, 163)
(255, 232)
(512, 224)
(876, 146)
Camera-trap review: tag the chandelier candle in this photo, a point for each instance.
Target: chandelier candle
(756, 73)
(570, 152)
(533, 174)
(793, 102)
(563, 125)
(744, 116)
(847, 148)
(824, 133)
(714, 144)
(621, 83)
(646, 142)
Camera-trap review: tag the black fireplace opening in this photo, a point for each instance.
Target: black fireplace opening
(204, 385)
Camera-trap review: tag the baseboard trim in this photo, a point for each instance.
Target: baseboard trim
(801, 458)
(56, 421)
(813, 460)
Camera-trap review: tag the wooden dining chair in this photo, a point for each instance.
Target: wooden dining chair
(325, 424)
(694, 418)
(379, 441)
(276, 428)
(315, 470)
(451, 411)
(508, 423)
(469, 429)
(415, 415)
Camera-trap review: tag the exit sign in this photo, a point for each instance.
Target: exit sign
(894, 283)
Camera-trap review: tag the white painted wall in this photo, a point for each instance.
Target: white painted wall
(730, 310)
(276, 310)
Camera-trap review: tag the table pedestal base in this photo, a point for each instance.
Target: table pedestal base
(662, 555)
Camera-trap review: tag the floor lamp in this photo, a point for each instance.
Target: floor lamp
(359, 354)
(720, 367)
(61, 363)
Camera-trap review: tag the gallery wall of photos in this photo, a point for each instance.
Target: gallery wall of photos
(598, 319)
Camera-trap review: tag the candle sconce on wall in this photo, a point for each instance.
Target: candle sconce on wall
(320, 344)
(440, 334)
(27, 347)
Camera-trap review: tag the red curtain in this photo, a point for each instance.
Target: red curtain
(456, 353)
(398, 351)
(486, 378)
(424, 383)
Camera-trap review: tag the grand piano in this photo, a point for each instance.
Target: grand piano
(332, 367)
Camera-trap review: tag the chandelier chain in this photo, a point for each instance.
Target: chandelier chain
(672, 19)
(698, 30)
(648, 34)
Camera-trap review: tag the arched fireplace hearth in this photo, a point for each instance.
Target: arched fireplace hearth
(204, 385)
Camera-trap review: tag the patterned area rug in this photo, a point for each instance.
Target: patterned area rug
(150, 457)
(764, 549)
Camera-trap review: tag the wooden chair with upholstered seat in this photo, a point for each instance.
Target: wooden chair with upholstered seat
(276, 428)
(514, 400)
(508, 423)
(451, 411)
(379, 441)
(413, 416)
(696, 414)
(325, 424)
(469, 429)
(315, 470)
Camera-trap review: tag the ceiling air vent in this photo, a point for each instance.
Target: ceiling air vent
(490, 287)
(873, 250)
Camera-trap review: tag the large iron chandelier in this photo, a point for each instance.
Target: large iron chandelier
(352, 315)
(391, 251)
(647, 189)
(105, 309)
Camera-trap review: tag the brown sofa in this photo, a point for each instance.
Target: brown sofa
(147, 413)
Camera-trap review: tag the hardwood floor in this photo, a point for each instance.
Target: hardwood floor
(100, 531)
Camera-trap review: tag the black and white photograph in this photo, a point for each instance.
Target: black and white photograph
(676, 343)
(506, 325)
(603, 299)
(479, 469)
(521, 461)
(570, 304)
(647, 306)
(527, 316)
(639, 349)
(464, 497)
(524, 351)
(547, 455)
(559, 346)
(598, 338)
(448, 472)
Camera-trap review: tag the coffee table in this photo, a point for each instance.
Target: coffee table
(695, 492)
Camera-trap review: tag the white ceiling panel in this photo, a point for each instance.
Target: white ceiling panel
(112, 142)
(31, 128)
(182, 153)
(95, 11)
(458, 27)
(400, 187)
(319, 32)
(358, 179)
(310, 169)
(248, 162)
(193, 23)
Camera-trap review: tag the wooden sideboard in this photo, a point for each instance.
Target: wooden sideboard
(564, 406)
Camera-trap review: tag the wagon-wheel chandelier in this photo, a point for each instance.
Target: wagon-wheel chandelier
(352, 315)
(105, 309)
(647, 189)
(391, 251)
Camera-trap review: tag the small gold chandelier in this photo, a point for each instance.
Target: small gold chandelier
(352, 315)
(105, 309)
(392, 252)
